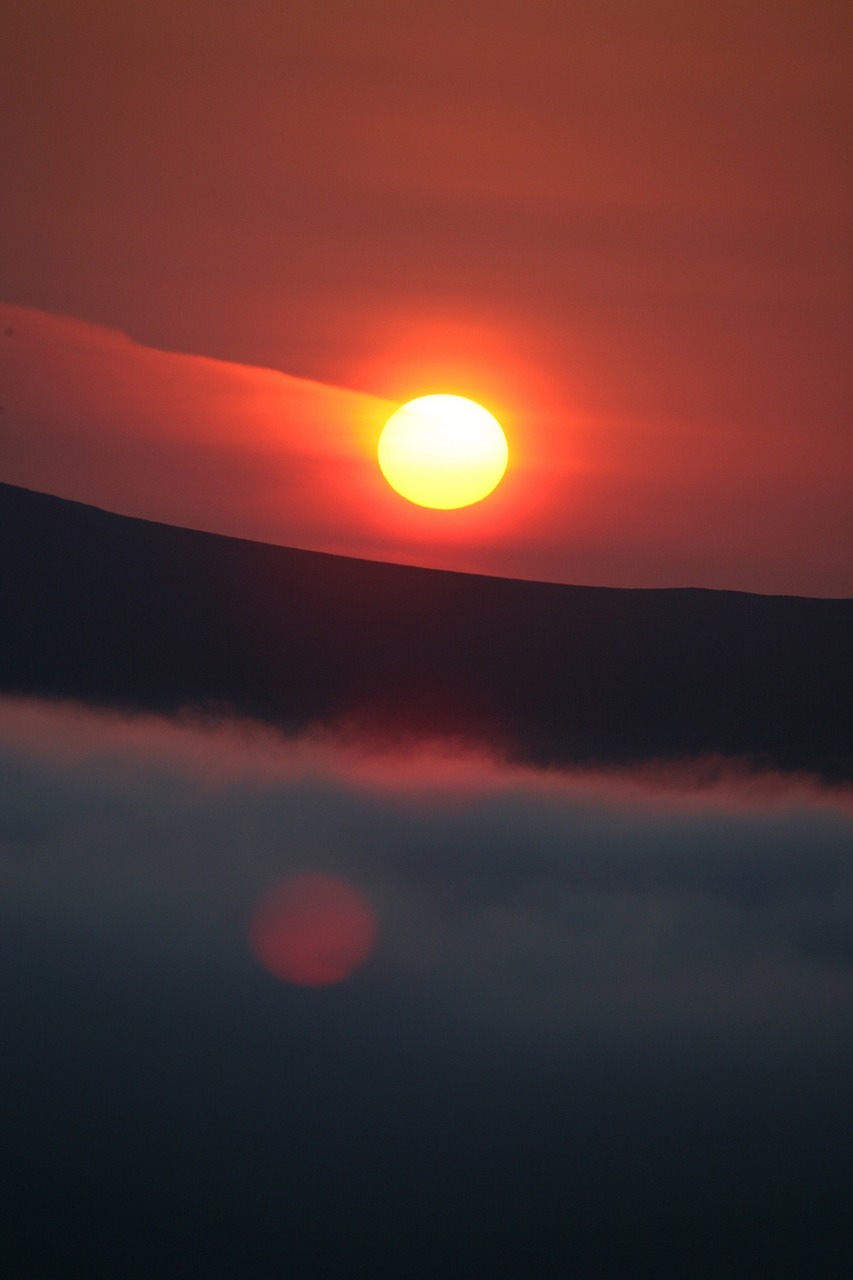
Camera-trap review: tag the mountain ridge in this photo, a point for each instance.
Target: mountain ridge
(121, 611)
(457, 573)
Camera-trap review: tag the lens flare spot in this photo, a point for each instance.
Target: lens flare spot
(312, 930)
(443, 451)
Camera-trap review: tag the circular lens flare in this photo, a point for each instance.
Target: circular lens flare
(443, 451)
(312, 930)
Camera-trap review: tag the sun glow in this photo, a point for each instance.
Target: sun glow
(443, 451)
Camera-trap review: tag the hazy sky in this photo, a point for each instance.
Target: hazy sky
(624, 226)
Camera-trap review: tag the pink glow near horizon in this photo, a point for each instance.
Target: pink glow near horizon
(218, 753)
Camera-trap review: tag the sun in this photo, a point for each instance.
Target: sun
(443, 451)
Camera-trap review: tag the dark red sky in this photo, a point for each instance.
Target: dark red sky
(623, 226)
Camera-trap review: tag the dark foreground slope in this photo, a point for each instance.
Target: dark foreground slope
(127, 613)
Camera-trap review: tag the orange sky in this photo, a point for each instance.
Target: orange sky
(623, 226)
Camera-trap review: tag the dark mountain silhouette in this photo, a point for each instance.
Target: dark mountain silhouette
(127, 613)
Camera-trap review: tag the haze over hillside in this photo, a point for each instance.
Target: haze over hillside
(124, 612)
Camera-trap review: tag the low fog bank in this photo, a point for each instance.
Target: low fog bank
(626, 896)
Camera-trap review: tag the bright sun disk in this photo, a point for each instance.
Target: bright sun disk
(443, 451)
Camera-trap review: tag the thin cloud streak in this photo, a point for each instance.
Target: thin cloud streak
(181, 439)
